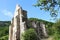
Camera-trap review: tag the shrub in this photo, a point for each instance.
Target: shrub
(30, 34)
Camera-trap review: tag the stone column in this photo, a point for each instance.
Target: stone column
(16, 29)
(11, 29)
(10, 36)
(18, 25)
(21, 25)
(43, 29)
(34, 25)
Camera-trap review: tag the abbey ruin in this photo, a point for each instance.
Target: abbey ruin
(19, 24)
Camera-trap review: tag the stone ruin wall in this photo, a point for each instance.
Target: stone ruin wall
(39, 28)
(20, 23)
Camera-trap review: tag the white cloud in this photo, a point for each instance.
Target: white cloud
(7, 13)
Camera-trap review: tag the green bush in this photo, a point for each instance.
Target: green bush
(4, 31)
(30, 34)
(4, 37)
(56, 28)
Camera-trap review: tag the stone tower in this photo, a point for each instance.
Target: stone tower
(18, 24)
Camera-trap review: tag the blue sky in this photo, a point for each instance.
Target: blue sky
(7, 8)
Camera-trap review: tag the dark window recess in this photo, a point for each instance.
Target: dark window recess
(24, 19)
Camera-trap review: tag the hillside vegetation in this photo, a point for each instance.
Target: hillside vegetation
(4, 30)
(4, 27)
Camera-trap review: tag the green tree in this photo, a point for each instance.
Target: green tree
(56, 26)
(49, 5)
(30, 34)
(56, 29)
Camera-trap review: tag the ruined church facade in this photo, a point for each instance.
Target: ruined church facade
(19, 24)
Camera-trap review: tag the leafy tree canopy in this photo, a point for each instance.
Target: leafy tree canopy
(49, 5)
